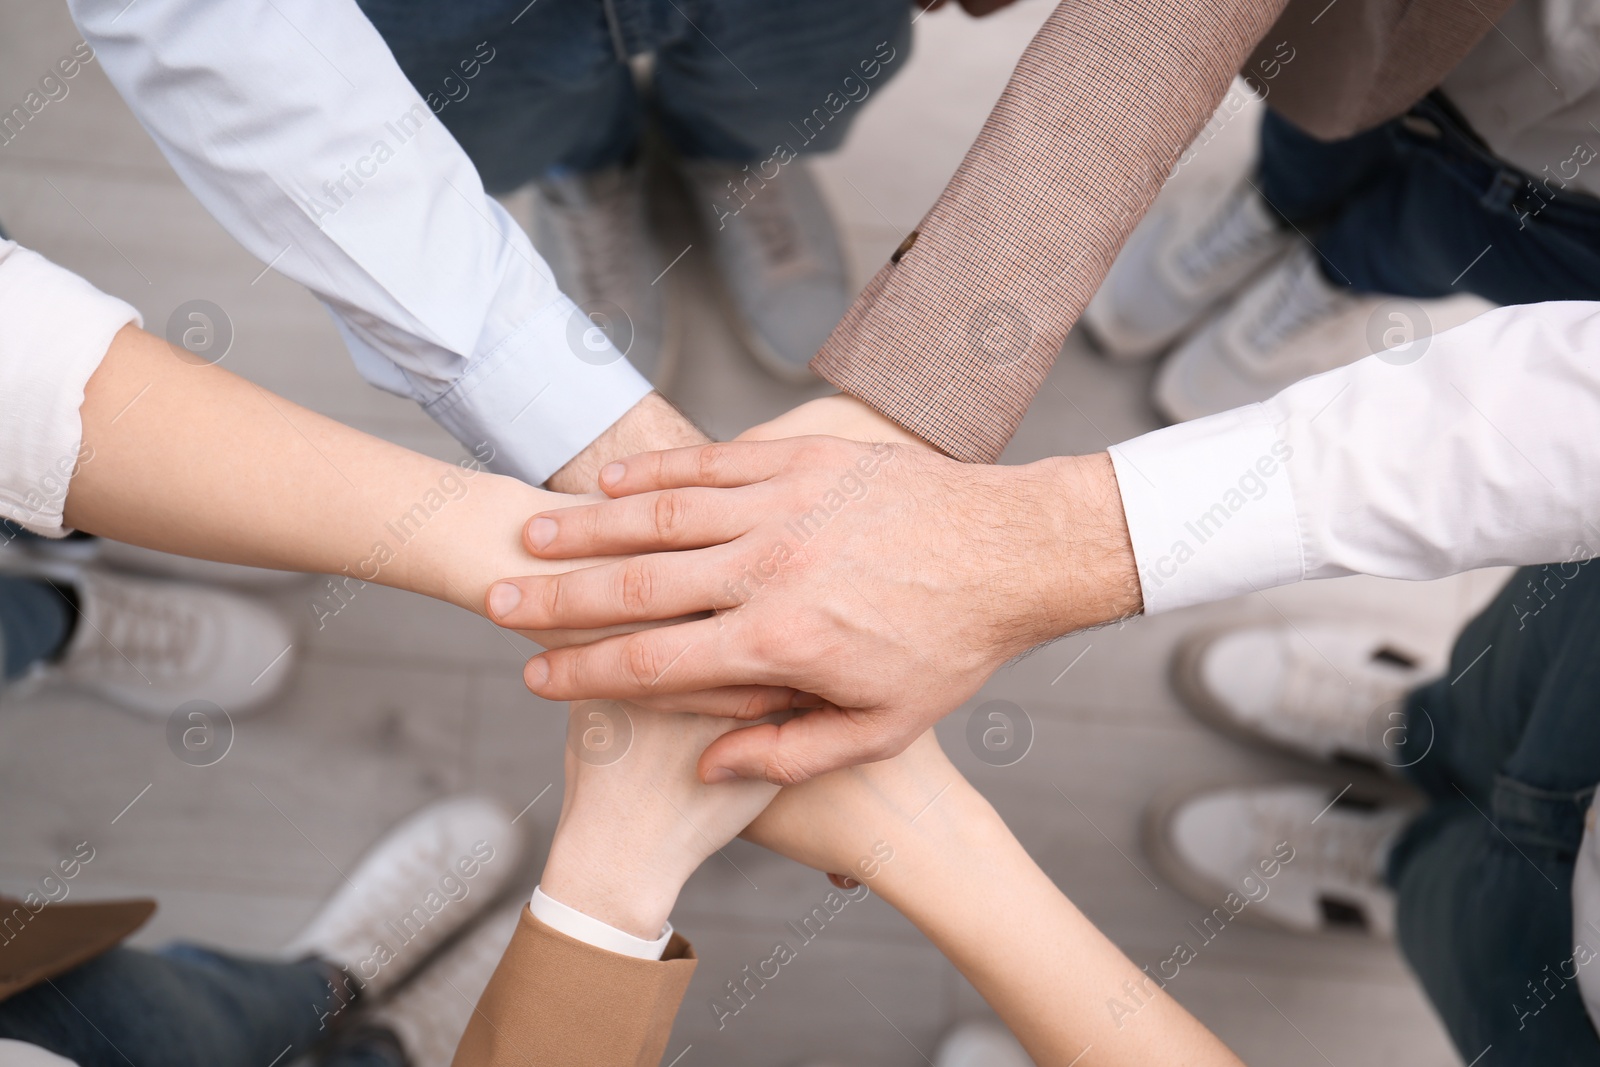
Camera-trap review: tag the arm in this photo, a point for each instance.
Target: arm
(930, 574)
(955, 335)
(915, 831)
(581, 984)
(294, 126)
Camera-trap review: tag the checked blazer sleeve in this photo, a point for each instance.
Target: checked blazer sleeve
(954, 336)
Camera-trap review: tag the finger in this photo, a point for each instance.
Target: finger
(802, 748)
(669, 659)
(638, 589)
(746, 702)
(675, 518)
(719, 466)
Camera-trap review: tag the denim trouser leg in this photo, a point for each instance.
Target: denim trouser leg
(1418, 208)
(34, 623)
(751, 75)
(530, 87)
(1485, 875)
(182, 1007)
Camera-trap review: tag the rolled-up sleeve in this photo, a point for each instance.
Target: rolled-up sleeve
(55, 328)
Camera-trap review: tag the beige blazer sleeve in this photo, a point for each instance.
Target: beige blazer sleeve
(955, 335)
(557, 1002)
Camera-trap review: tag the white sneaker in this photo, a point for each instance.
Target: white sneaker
(1325, 691)
(151, 646)
(430, 1013)
(1184, 257)
(778, 254)
(425, 880)
(984, 1044)
(1289, 324)
(1291, 856)
(593, 229)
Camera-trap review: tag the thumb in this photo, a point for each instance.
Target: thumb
(813, 743)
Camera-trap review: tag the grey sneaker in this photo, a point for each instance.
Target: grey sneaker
(418, 886)
(593, 230)
(1187, 255)
(1289, 324)
(778, 253)
(431, 1011)
(151, 646)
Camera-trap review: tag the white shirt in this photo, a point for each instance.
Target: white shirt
(294, 126)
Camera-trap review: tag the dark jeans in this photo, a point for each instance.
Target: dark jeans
(1410, 207)
(187, 1006)
(1484, 876)
(527, 87)
(35, 621)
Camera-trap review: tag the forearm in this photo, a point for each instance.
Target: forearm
(971, 888)
(191, 459)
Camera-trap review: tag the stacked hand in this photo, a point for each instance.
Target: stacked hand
(886, 580)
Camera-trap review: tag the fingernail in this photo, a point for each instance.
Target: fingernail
(537, 674)
(719, 774)
(612, 473)
(504, 598)
(541, 532)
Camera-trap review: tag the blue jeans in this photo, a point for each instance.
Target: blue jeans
(187, 1006)
(530, 87)
(35, 621)
(1484, 876)
(1409, 208)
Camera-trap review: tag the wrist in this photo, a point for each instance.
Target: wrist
(1089, 576)
(631, 889)
(650, 425)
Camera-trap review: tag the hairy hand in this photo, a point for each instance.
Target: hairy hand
(886, 580)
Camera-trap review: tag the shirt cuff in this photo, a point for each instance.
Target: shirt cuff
(55, 329)
(1210, 509)
(591, 931)
(542, 396)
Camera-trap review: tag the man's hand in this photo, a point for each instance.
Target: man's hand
(635, 821)
(652, 423)
(886, 580)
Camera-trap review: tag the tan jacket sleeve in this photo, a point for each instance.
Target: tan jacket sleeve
(954, 339)
(557, 1002)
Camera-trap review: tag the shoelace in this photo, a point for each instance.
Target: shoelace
(142, 634)
(1299, 297)
(1338, 705)
(1351, 850)
(770, 218)
(600, 222)
(1228, 235)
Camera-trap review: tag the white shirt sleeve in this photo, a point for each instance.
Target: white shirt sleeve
(591, 931)
(1483, 451)
(55, 328)
(292, 123)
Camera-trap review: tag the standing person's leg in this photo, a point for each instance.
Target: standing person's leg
(524, 88)
(742, 89)
(179, 1007)
(1485, 876)
(35, 623)
(1307, 181)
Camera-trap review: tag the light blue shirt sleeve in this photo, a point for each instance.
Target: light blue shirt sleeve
(294, 126)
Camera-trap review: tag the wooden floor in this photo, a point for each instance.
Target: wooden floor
(399, 700)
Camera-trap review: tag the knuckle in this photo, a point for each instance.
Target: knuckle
(549, 603)
(667, 515)
(782, 769)
(638, 587)
(640, 661)
(708, 462)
